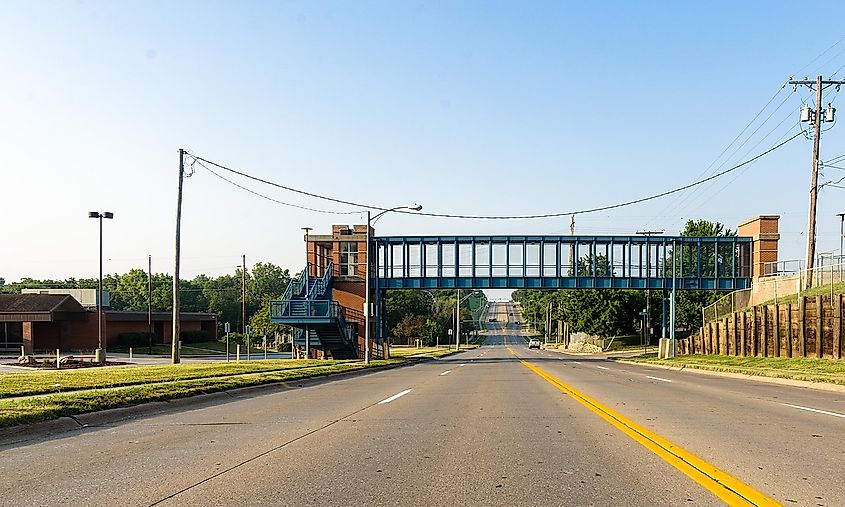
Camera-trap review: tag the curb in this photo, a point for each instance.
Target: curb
(819, 386)
(22, 433)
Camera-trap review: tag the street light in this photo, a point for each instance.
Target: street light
(100, 353)
(370, 222)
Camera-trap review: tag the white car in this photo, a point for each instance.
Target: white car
(534, 343)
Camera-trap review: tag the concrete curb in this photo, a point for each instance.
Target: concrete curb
(820, 386)
(22, 433)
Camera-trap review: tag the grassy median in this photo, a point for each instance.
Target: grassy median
(812, 370)
(118, 387)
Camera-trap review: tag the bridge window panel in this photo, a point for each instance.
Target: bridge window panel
(708, 259)
(465, 259)
(585, 259)
(414, 260)
(500, 259)
(687, 258)
(397, 261)
(382, 265)
(743, 254)
(431, 260)
(635, 261)
(550, 260)
(448, 260)
(619, 259)
(516, 260)
(725, 259)
(568, 259)
(602, 259)
(532, 259)
(652, 259)
(348, 258)
(482, 259)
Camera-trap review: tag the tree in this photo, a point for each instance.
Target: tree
(410, 327)
(690, 302)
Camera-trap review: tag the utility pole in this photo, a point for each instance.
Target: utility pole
(174, 350)
(243, 294)
(150, 301)
(648, 289)
(815, 116)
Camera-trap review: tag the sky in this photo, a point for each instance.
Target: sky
(487, 108)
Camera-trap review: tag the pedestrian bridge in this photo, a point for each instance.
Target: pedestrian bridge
(562, 262)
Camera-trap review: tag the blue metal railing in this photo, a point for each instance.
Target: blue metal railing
(320, 284)
(294, 288)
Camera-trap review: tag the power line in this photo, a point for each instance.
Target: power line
(502, 217)
(270, 198)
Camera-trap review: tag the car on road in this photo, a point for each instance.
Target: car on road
(534, 343)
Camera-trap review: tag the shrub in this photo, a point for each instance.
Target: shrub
(193, 336)
(283, 347)
(135, 339)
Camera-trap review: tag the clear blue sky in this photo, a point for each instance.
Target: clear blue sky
(468, 107)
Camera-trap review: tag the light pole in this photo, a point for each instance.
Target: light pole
(100, 353)
(306, 230)
(367, 311)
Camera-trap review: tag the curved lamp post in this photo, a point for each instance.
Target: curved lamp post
(100, 354)
(367, 311)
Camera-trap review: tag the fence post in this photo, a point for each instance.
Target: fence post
(764, 344)
(820, 326)
(58, 358)
(837, 326)
(735, 351)
(802, 325)
(776, 351)
(754, 337)
(742, 333)
(789, 330)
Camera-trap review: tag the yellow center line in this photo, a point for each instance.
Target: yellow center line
(726, 487)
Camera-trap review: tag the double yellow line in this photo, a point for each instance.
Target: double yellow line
(729, 489)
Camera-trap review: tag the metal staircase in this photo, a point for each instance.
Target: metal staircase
(307, 306)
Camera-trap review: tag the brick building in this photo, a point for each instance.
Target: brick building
(49, 321)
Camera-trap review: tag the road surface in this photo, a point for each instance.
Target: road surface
(483, 427)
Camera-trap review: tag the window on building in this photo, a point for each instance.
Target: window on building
(348, 258)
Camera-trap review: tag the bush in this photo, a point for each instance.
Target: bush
(283, 347)
(135, 339)
(193, 336)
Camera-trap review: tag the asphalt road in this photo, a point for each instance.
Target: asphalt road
(478, 428)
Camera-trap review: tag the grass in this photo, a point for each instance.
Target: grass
(55, 381)
(812, 370)
(820, 290)
(41, 408)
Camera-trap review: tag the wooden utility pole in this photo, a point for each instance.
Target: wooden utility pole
(150, 301)
(243, 295)
(174, 351)
(819, 84)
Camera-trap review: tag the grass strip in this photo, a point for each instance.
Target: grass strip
(42, 408)
(55, 381)
(811, 370)
(429, 352)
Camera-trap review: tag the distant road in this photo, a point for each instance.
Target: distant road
(479, 428)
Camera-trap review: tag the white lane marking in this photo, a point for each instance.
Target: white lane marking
(808, 409)
(658, 378)
(462, 364)
(397, 395)
(577, 362)
(602, 367)
(446, 372)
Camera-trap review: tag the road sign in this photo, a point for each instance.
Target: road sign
(227, 328)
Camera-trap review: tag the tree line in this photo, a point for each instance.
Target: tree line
(429, 315)
(221, 295)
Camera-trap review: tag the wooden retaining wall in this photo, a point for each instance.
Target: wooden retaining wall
(813, 327)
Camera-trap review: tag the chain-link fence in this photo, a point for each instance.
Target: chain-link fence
(733, 302)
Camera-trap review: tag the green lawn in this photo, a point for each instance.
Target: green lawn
(54, 381)
(821, 290)
(813, 370)
(163, 383)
